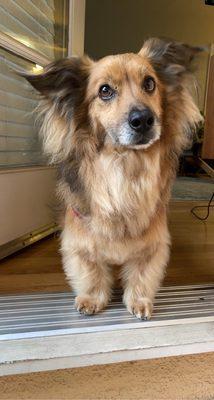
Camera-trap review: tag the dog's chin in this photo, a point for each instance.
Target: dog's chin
(128, 140)
(143, 142)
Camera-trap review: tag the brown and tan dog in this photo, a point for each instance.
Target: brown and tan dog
(115, 128)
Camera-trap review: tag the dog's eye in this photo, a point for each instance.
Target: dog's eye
(106, 92)
(149, 84)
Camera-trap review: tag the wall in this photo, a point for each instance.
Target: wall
(117, 26)
(27, 195)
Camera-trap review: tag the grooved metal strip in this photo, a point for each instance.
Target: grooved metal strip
(47, 314)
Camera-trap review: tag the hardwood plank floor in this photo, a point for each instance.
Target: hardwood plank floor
(38, 268)
(192, 252)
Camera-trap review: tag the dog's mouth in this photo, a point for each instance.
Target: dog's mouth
(127, 138)
(143, 139)
(123, 136)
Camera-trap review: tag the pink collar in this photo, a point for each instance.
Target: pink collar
(76, 213)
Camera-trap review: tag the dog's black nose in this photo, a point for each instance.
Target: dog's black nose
(141, 121)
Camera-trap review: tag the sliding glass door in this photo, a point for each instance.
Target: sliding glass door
(32, 34)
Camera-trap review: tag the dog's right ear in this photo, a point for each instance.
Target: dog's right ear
(62, 86)
(63, 81)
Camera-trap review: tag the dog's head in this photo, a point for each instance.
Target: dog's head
(124, 94)
(120, 100)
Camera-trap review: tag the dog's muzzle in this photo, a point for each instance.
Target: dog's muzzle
(141, 122)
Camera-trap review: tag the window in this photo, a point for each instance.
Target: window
(41, 27)
(32, 34)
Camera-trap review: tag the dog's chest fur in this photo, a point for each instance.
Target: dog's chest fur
(124, 192)
(125, 206)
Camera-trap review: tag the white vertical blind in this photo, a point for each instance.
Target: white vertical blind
(19, 144)
(42, 26)
(31, 22)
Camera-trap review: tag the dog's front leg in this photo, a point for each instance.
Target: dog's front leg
(142, 278)
(90, 280)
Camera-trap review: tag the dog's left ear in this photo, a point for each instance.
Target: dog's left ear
(171, 60)
(173, 64)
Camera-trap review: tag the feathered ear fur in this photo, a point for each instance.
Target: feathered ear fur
(173, 64)
(62, 87)
(171, 60)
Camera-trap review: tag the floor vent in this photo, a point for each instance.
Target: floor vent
(43, 331)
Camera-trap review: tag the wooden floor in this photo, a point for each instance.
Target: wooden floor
(38, 268)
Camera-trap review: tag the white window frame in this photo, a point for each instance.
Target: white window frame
(76, 33)
(25, 233)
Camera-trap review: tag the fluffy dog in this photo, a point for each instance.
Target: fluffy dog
(115, 128)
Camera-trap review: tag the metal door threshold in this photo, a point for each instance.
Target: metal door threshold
(43, 331)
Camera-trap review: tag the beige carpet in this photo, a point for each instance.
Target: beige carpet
(174, 378)
(192, 189)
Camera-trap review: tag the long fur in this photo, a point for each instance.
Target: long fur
(122, 193)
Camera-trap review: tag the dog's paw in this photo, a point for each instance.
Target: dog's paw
(89, 305)
(141, 308)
